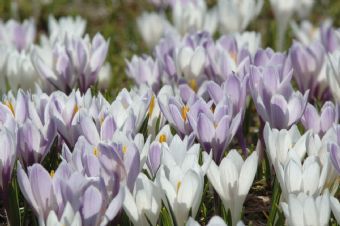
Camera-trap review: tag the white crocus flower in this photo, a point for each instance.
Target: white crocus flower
(235, 15)
(303, 210)
(20, 72)
(283, 11)
(306, 33)
(249, 40)
(105, 76)
(232, 180)
(190, 62)
(333, 73)
(214, 221)
(335, 207)
(183, 191)
(280, 142)
(188, 15)
(181, 154)
(295, 177)
(151, 27)
(130, 108)
(65, 26)
(144, 204)
(68, 218)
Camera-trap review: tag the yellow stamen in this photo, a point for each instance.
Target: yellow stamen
(52, 173)
(10, 106)
(193, 84)
(185, 109)
(124, 149)
(233, 56)
(75, 110)
(96, 152)
(178, 186)
(101, 119)
(152, 105)
(162, 138)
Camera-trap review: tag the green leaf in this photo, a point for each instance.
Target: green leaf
(12, 204)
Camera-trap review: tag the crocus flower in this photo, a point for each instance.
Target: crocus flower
(19, 71)
(183, 191)
(280, 142)
(75, 62)
(328, 37)
(225, 57)
(335, 207)
(302, 209)
(306, 32)
(152, 27)
(283, 11)
(143, 205)
(65, 26)
(295, 177)
(34, 143)
(320, 123)
(214, 126)
(307, 62)
(214, 221)
(175, 109)
(68, 218)
(144, 70)
(38, 189)
(235, 16)
(333, 75)
(16, 34)
(275, 100)
(188, 16)
(7, 159)
(232, 180)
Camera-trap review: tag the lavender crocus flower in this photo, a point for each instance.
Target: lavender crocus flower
(34, 143)
(7, 158)
(175, 110)
(320, 123)
(274, 98)
(76, 62)
(214, 125)
(144, 70)
(328, 37)
(307, 62)
(154, 157)
(16, 34)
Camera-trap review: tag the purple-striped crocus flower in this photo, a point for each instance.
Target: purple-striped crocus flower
(275, 100)
(214, 125)
(75, 63)
(320, 123)
(16, 34)
(308, 62)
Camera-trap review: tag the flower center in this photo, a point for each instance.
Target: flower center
(162, 138)
(124, 149)
(193, 84)
(96, 152)
(178, 186)
(152, 105)
(52, 173)
(10, 106)
(185, 109)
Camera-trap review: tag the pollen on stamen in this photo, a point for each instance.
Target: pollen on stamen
(178, 186)
(96, 152)
(185, 109)
(193, 84)
(162, 138)
(124, 149)
(151, 106)
(52, 173)
(10, 106)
